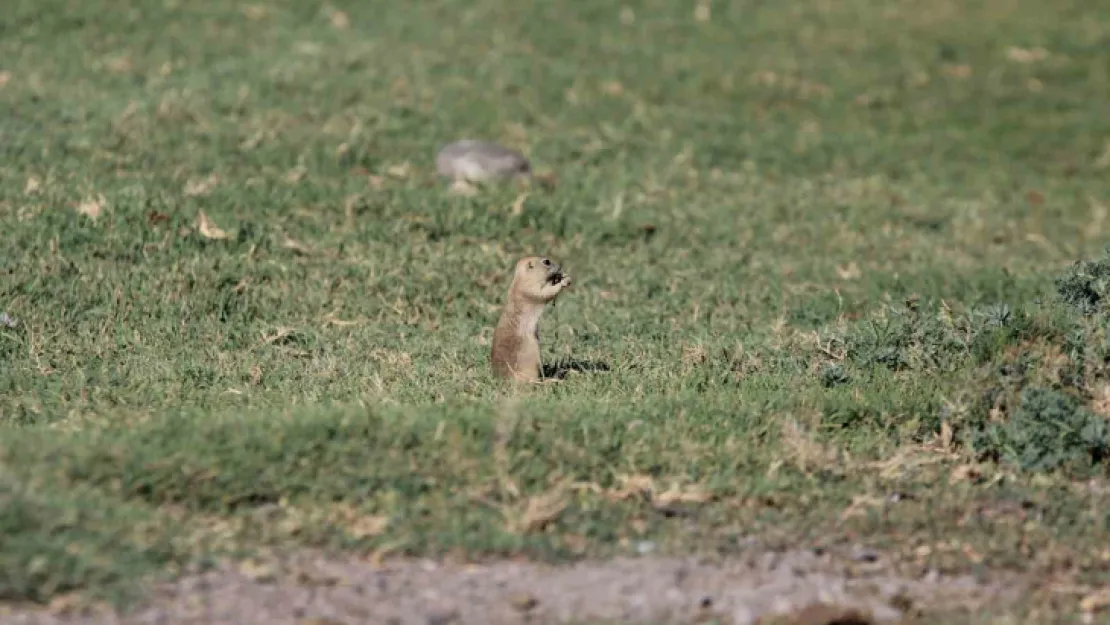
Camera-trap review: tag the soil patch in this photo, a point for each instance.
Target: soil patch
(312, 589)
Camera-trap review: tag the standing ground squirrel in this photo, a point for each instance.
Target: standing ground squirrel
(516, 341)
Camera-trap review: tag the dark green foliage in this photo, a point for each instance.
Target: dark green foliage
(1049, 430)
(994, 354)
(928, 339)
(1086, 285)
(834, 374)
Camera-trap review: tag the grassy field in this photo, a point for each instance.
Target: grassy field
(823, 255)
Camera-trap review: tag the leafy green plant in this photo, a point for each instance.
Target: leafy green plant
(911, 339)
(1048, 430)
(834, 374)
(1086, 285)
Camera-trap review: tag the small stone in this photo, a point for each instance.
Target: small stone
(645, 547)
(826, 614)
(747, 542)
(317, 579)
(260, 572)
(902, 601)
(523, 602)
(442, 616)
(863, 554)
(481, 161)
(7, 321)
(742, 615)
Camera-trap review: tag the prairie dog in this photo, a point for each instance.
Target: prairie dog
(537, 281)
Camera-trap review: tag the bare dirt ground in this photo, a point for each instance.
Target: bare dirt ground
(311, 589)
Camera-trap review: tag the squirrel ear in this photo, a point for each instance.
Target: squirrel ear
(530, 265)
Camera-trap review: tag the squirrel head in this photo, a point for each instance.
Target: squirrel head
(539, 279)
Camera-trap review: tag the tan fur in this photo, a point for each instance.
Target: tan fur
(516, 341)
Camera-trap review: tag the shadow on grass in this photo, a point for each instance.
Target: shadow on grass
(559, 369)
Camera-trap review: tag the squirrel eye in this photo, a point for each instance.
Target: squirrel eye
(546, 263)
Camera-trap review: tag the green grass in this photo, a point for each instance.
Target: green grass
(842, 197)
